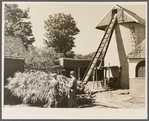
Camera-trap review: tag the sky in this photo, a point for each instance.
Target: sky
(87, 15)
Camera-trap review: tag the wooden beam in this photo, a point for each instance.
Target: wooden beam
(78, 73)
(93, 77)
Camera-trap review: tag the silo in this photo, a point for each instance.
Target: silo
(129, 32)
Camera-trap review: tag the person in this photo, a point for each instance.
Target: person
(55, 87)
(72, 90)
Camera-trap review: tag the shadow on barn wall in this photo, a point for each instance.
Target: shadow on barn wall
(10, 67)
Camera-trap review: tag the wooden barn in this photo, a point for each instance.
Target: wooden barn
(79, 66)
(14, 53)
(128, 34)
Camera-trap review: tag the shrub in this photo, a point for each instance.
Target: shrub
(41, 58)
(33, 87)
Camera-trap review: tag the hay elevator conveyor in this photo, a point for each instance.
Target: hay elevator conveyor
(102, 49)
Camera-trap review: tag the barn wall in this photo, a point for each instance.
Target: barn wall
(120, 46)
(131, 32)
(79, 65)
(82, 72)
(140, 33)
(115, 72)
(132, 67)
(11, 66)
(137, 84)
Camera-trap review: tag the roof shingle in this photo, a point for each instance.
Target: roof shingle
(14, 48)
(139, 51)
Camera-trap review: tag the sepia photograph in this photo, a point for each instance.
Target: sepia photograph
(74, 60)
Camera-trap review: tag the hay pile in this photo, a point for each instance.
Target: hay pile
(34, 88)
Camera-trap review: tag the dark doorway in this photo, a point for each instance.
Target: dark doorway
(140, 69)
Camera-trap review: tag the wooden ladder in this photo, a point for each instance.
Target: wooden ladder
(133, 37)
(101, 51)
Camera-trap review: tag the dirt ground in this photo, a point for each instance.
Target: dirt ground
(114, 99)
(120, 98)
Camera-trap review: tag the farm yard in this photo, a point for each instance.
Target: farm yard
(110, 99)
(112, 75)
(103, 100)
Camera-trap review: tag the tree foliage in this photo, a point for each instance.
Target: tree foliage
(78, 56)
(60, 31)
(15, 23)
(70, 54)
(41, 58)
(88, 56)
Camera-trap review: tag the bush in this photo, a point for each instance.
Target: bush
(41, 58)
(33, 87)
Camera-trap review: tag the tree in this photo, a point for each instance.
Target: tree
(88, 56)
(41, 58)
(70, 54)
(15, 23)
(60, 31)
(78, 56)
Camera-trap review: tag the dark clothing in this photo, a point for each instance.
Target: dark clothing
(55, 87)
(72, 92)
(73, 84)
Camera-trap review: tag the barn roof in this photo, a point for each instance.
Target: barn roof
(139, 51)
(75, 63)
(14, 48)
(123, 16)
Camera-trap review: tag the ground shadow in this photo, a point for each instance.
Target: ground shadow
(9, 99)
